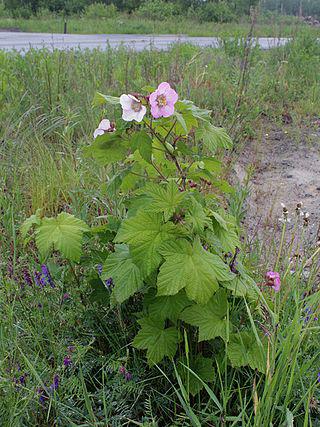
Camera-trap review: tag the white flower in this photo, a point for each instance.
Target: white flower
(132, 109)
(284, 220)
(103, 127)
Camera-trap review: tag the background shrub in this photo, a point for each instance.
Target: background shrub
(100, 10)
(158, 9)
(215, 12)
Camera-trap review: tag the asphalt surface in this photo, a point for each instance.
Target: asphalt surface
(24, 41)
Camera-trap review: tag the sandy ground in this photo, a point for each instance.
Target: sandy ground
(286, 165)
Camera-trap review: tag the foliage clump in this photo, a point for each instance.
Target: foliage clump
(172, 245)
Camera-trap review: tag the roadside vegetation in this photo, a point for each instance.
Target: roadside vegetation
(152, 17)
(84, 338)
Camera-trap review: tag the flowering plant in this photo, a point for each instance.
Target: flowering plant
(171, 243)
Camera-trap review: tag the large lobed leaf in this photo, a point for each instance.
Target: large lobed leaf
(108, 148)
(33, 220)
(213, 137)
(168, 307)
(63, 233)
(243, 349)
(190, 267)
(145, 233)
(200, 367)
(158, 342)
(125, 274)
(164, 198)
(210, 318)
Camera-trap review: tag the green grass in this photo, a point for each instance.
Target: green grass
(124, 24)
(46, 119)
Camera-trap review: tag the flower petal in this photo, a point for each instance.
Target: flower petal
(128, 115)
(167, 110)
(133, 98)
(163, 87)
(153, 97)
(156, 111)
(98, 132)
(104, 124)
(140, 114)
(125, 101)
(171, 96)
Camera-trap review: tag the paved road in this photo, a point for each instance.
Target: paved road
(25, 41)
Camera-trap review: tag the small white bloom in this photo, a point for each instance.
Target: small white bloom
(132, 109)
(284, 220)
(103, 127)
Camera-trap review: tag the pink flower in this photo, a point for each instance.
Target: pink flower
(122, 370)
(162, 101)
(104, 126)
(273, 279)
(132, 108)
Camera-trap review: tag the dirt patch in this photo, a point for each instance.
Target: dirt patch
(286, 165)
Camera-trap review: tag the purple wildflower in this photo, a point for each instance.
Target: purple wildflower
(65, 296)
(128, 376)
(42, 395)
(23, 379)
(37, 279)
(318, 377)
(109, 283)
(71, 348)
(55, 384)
(99, 269)
(47, 276)
(27, 277)
(67, 361)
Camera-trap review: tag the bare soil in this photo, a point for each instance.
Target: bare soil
(286, 164)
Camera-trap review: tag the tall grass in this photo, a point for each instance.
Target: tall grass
(127, 24)
(47, 117)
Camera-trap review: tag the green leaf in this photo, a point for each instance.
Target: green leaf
(198, 113)
(212, 164)
(197, 217)
(190, 267)
(242, 286)
(186, 121)
(213, 137)
(210, 318)
(100, 99)
(148, 89)
(145, 232)
(163, 198)
(168, 307)
(99, 293)
(107, 148)
(158, 342)
(125, 274)
(221, 221)
(34, 219)
(63, 233)
(202, 367)
(244, 350)
(226, 232)
(143, 142)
